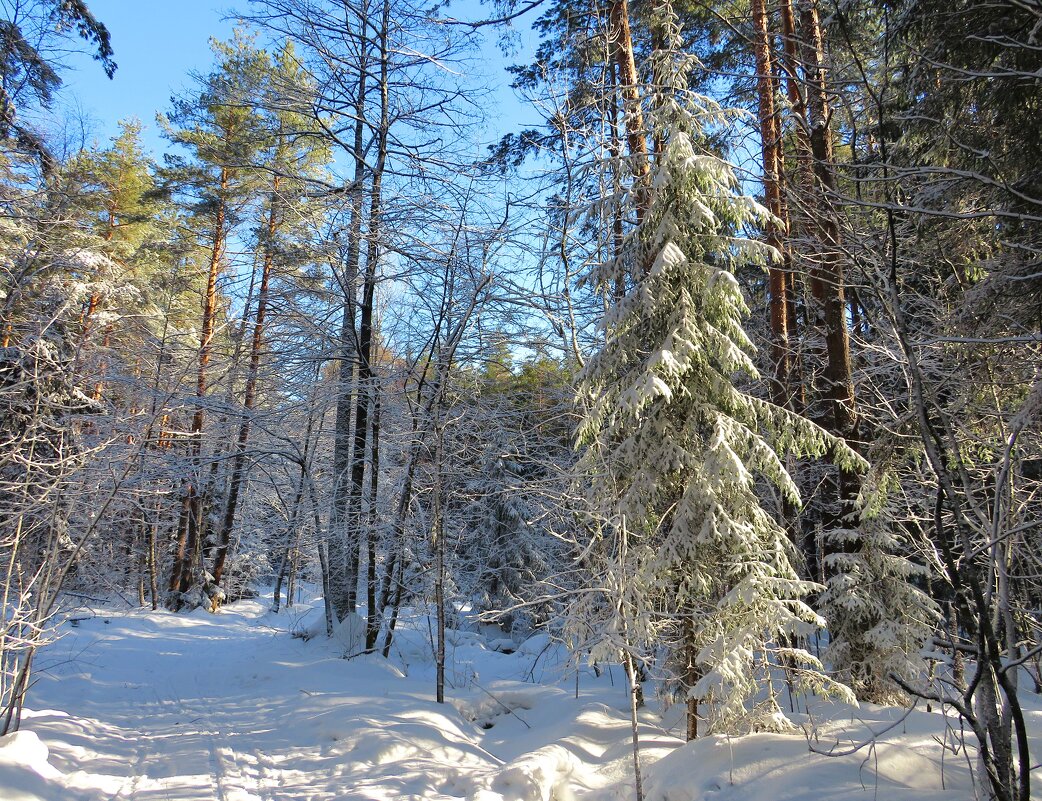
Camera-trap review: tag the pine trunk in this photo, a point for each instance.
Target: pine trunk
(636, 138)
(250, 391)
(190, 544)
(827, 278)
(770, 140)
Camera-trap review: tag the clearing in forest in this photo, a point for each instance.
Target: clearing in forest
(230, 707)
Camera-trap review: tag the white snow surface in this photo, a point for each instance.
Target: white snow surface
(154, 706)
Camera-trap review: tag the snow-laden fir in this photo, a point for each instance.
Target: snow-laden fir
(704, 580)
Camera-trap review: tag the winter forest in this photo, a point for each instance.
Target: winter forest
(682, 444)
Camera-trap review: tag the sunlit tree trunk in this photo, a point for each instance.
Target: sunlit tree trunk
(770, 139)
(189, 540)
(250, 390)
(636, 134)
(827, 275)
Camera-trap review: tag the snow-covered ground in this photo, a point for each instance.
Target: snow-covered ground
(229, 707)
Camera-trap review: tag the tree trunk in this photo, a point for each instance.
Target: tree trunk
(182, 573)
(634, 691)
(438, 535)
(323, 561)
(250, 390)
(619, 19)
(292, 536)
(343, 541)
(396, 605)
(770, 139)
(293, 530)
(691, 678)
(181, 540)
(364, 383)
(827, 278)
(372, 629)
(153, 572)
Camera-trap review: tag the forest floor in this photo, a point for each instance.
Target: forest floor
(154, 706)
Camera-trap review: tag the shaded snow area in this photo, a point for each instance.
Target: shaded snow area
(230, 707)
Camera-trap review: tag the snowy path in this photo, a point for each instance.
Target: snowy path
(227, 708)
(159, 707)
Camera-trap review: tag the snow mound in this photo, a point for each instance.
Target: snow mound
(782, 767)
(26, 750)
(484, 710)
(543, 775)
(535, 645)
(26, 774)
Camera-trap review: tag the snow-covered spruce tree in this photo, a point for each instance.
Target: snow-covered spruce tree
(879, 621)
(677, 450)
(501, 549)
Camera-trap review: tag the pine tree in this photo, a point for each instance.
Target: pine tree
(34, 39)
(291, 160)
(222, 131)
(123, 224)
(678, 453)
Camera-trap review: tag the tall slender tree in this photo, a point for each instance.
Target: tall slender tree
(288, 163)
(221, 132)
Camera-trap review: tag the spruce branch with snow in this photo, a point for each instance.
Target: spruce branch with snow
(676, 446)
(879, 620)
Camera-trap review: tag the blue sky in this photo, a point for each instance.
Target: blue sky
(159, 44)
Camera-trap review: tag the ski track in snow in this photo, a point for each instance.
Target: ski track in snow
(228, 707)
(144, 706)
